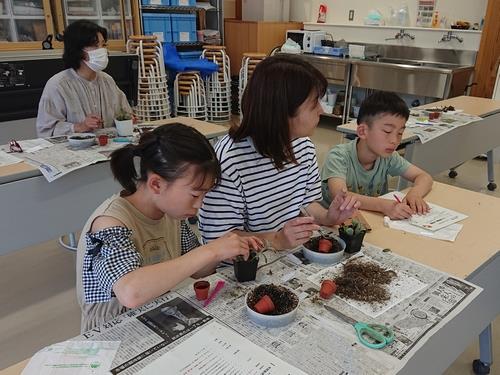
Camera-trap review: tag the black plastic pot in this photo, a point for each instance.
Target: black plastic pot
(246, 270)
(352, 243)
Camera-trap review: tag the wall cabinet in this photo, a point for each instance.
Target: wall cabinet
(249, 36)
(24, 24)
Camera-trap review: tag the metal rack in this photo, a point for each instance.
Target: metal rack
(214, 16)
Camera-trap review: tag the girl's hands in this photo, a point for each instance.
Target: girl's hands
(231, 245)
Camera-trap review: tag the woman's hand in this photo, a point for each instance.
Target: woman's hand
(231, 245)
(343, 207)
(91, 123)
(294, 233)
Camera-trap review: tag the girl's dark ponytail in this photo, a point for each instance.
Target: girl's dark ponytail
(168, 151)
(122, 166)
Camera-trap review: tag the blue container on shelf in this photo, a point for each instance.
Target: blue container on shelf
(186, 3)
(189, 55)
(158, 24)
(155, 2)
(331, 51)
(183, 27)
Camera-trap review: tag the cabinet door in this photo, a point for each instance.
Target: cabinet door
(107, 13)
(26, 21)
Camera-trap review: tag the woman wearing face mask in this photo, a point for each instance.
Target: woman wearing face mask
(81, 98)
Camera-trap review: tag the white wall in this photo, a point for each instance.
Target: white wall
(338, 10)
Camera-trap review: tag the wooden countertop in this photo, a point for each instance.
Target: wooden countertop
(476, 243)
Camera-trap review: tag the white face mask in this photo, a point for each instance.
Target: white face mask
(98, 59)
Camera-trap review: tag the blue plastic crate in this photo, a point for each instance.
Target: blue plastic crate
(183, 27)
(187, 3)
(155, 2)
(158, 24)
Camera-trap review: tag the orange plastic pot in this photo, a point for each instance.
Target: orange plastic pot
(328, 288)
(264, 305)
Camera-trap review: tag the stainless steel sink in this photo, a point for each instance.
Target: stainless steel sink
(425, 78)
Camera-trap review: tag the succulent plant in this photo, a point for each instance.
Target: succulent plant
(123, 115)
(354, 228)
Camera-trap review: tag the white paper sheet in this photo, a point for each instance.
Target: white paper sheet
(8, 159)
(437, 218)
(449, 233)
(73, 358)
(216, 349)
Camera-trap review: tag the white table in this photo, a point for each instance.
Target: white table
(457, 146)
(33, 210)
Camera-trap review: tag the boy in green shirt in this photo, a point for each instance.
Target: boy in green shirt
(362, 165)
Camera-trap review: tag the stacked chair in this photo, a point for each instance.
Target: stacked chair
(189, 95)
(218, 84)
(248, 64)
(153, 101)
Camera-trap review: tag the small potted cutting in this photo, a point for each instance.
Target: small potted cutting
(271, 305)
(246, 270)
(124, 123)
(352, 234)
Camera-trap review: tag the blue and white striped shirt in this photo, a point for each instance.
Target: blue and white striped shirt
(253, 195)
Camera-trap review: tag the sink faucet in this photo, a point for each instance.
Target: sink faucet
(449, 36)
(401, 35)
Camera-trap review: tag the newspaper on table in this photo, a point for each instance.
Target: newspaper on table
(439, 223)
(73, 357)
(55, 158)
(8, 159)
(153, 330)
(426, 130)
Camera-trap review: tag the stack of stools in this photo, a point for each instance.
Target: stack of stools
(189, 96)
(153, 101)
(218, 84)
(248, 64)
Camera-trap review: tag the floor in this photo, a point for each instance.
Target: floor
(38, 294)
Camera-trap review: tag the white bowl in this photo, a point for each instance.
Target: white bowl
(325, 258)
(272, 321)
(82, 140)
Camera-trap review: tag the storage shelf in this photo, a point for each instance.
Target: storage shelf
(169, 8)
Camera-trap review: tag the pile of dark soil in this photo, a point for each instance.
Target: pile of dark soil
(284, 300)
(364, 281)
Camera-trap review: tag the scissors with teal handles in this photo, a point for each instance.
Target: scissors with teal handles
(372, 335)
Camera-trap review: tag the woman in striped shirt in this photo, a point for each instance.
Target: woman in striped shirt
(269, 166)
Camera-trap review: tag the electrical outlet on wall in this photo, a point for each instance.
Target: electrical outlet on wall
(351, 15)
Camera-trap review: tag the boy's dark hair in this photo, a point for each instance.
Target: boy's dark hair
(77, 36)
(382, 102)
(278, 86)
(168, 151)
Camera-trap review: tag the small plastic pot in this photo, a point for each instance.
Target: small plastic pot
(324, 245)
(354, 242)
(246, 270)
(264, 305)
(103, 139)
(328, 288)
(201, 289)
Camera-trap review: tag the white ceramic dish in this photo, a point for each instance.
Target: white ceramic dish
(325, 258)
(82, 140)
(272, 321)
